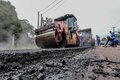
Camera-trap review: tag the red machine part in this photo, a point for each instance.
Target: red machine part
(78, 39)
(60, 28)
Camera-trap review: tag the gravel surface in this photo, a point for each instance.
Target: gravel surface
(32, 64)
(58, 64)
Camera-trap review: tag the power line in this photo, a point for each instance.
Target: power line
(53, 6)
(113, 28)
(48, 6)
(43, 10)
(60, 5)
(47, 10)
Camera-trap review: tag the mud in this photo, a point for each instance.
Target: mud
(64, 64)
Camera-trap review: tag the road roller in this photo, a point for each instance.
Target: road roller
(63, 32)
(88, 40)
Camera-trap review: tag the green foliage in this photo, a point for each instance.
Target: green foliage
(10, 25)
(17, 30)
(118, 36)
(103, 39)
(27, 36)
(27, 27)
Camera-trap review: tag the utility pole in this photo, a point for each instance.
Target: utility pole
(41, 20)
(13, 40)
(38, 20)
(113, 29)
(39, 24)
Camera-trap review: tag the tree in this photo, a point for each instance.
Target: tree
(103, 39)
(9, 22)
(27, 35)
(10, 25)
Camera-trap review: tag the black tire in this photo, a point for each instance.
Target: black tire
(77, 44)
(63, 43)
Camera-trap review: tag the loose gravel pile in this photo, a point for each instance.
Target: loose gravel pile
(34, 64)
(64, 64)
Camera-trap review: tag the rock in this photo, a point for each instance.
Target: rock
(60, 76)
(40, 76)
(32, 71)
(41, 69)
(106, 58)
(50, 64)
(92, 77)
(58, 64)
(9, 78)
(63, 62)
(98, 71)
(82, 75)
(65, 69)
(101, 66)
(91, 64)
(117, 69)
(16, 78)
(77, 71)
(105, 74)
(57, 71)
(115, 74)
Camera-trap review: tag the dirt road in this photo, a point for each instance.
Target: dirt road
(89, 64)
(106, 66)
(112, 53)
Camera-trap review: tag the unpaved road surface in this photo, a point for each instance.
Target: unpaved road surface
(61, 64)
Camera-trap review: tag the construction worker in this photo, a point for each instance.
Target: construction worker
(98, 40)
(111, 33)
(81, 40)
(114, 35)
(112, 41)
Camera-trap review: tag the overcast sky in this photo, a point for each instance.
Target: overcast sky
(100, 15)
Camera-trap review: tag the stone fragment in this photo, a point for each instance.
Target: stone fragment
(50, 64)
(40, 76)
